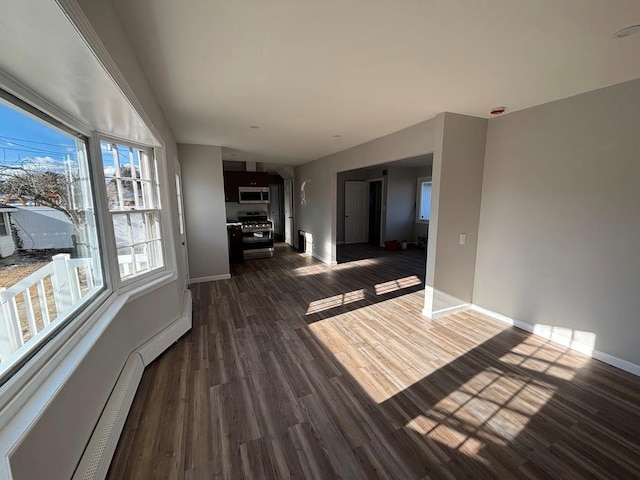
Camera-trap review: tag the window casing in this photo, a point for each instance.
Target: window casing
(133, 198)
(423, 200)
(46, 166)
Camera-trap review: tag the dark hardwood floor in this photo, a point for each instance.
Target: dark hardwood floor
(294, 369)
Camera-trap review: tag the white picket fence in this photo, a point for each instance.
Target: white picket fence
(61, 279)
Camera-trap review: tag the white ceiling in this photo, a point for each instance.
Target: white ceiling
(305, 70)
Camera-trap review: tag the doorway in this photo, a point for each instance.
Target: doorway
(288, 211)
(375, 212)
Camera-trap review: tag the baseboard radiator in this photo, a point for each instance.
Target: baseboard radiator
(97, 457)
(95, 462)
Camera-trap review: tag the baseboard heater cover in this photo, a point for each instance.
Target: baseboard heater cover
(95, 462)
(97, 457)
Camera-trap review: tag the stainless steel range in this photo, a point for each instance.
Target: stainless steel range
(257, 235)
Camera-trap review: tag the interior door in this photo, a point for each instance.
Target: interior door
(288, 211)
(356, 212)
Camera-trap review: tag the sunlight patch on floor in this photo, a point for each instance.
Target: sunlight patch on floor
(398, 284)
(335, 301)
(323, 268)
(496, 405)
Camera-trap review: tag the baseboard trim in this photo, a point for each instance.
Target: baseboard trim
(322, 259)
(96, 459)
(597, 354)
(104, 440)
(446, 311)
(213, 278)
(150, 350)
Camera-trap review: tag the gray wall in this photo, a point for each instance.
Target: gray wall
(559, 229)
(316, 207)
(455, 208)
(54, 445)
(401, 203)
(204, 209)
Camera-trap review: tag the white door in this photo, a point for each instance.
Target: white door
(181, 223)
(288, 211)
(356, 212)
(275, 208)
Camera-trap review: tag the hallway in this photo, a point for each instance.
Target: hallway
(294, 369)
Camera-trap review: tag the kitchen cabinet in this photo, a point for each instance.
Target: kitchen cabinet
(233, 180)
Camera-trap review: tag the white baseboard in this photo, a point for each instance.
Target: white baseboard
(617, 362)
(213, 278)
(586, 349)
(322, 259)
(97, 457)
(150, 350)
(104, 440)
(446, 311)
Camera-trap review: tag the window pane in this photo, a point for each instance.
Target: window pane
(125, 262)
(51, 261)
(121, 230)
(132, 185)
(425, 201)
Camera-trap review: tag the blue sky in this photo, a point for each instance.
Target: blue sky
(22, 137)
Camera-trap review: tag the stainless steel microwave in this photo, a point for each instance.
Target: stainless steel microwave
(253, 194)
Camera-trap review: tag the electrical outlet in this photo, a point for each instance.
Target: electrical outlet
(463, 238)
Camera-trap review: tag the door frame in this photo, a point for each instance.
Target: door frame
(289, 222)
(383, 207)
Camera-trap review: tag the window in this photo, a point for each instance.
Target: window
(4, 228)
(131, 181)
(423, 200)
(51, 264)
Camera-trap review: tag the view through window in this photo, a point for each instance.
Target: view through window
(50, 263)
(133, 196)
(424, 200)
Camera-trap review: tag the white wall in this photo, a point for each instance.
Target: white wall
(55, 442)
(316, 182)
(204, 209)
(559, 228)
(455, 208)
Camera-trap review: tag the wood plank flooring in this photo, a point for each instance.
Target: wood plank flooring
(297, 370)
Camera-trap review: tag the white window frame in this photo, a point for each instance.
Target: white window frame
(38, 359)
(419, 183)
(161, 193)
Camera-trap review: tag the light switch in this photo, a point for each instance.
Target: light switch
(463, 238)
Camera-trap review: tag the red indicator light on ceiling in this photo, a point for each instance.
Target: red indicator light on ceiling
(497, 110)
